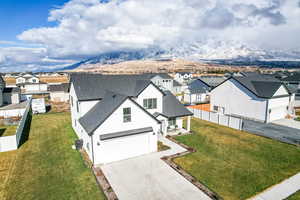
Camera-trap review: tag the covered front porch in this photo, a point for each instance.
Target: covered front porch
(174, 125)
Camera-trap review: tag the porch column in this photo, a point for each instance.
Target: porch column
(189, 123)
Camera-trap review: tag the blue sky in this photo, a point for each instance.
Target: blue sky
(17, 16)
(81, 29)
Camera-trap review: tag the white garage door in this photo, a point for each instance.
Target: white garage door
(125, 147)
(278, 113)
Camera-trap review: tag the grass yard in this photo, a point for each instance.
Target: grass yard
(7, 130)
(295, 196)
(235, 164)
(161, 146)
(46, 167)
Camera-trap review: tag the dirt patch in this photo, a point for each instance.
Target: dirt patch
(59, 106)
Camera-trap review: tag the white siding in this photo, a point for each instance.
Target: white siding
(151, 92)
(139, 119)
(278, 108)
(281, 91)
(238, 100)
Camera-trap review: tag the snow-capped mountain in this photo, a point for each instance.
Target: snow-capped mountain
(208, 51)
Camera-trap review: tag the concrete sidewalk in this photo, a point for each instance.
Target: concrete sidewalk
(281, 190)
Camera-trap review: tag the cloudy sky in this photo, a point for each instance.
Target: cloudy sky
(41, 34)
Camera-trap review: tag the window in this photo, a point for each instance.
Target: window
(88, 146)
(150, 103)
(71, 98)
(172, 122)
(126, 114)
(33, 80)
(77, 106)
(216, 108)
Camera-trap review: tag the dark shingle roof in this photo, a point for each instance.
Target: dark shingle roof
(2, 82)
(64, 87)
(198, 86)
(293, 78)
(212, 81)
(172, 107)
(11, 90)
(101, 111)
(125, 133)
(94, 86)
(262, 86)
(176, 83)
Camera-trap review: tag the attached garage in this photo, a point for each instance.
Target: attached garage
(125, 144)
(277, 113)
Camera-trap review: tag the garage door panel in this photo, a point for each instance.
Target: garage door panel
(278, 113)
(125, 147)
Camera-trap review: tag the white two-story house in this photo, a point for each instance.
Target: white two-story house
(259, 97)
(119, 117)
(30, 84)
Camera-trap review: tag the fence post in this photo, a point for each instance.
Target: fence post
(218, 118)
(208, 116)
(229, 120)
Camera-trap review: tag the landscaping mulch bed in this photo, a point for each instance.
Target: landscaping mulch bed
(100, 177)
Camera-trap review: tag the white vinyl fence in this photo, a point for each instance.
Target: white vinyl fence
(225, 120)
(12, 113)
(8, 143)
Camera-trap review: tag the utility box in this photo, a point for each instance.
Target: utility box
(38, 106)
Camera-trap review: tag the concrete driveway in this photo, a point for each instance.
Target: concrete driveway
(288, 122)
(149, 178)
(274, 131)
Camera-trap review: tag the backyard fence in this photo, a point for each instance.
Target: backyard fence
(8, 143)
(12, 113)
(225, 120)
(22, 128)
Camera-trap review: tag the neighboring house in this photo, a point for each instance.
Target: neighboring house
(198, 90)
(262, 98)
(2, 86)
(11, 95)
(120, 116)
(29, 87)
(177, 87)
(59, 92)
(183, 77)
(164, 81)
(293, 83)
(27, 78)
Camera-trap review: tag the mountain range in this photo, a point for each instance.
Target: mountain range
(216, 52)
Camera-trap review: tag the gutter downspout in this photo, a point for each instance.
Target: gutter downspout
(267, 111)
(92, 149)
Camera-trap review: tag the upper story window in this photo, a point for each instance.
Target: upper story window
(150, 103)
(126, 114)
(71, 99)
(34, 80)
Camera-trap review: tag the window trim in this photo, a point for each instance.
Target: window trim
(150, 103)
(127, 116)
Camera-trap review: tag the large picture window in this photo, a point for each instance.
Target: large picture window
(126, 114)
(150, 103)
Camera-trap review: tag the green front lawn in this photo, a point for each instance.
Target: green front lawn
(295, 196)
(7, 130)
(235, 164)
(46, 167)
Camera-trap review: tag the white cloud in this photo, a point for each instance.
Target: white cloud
(89, 27)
